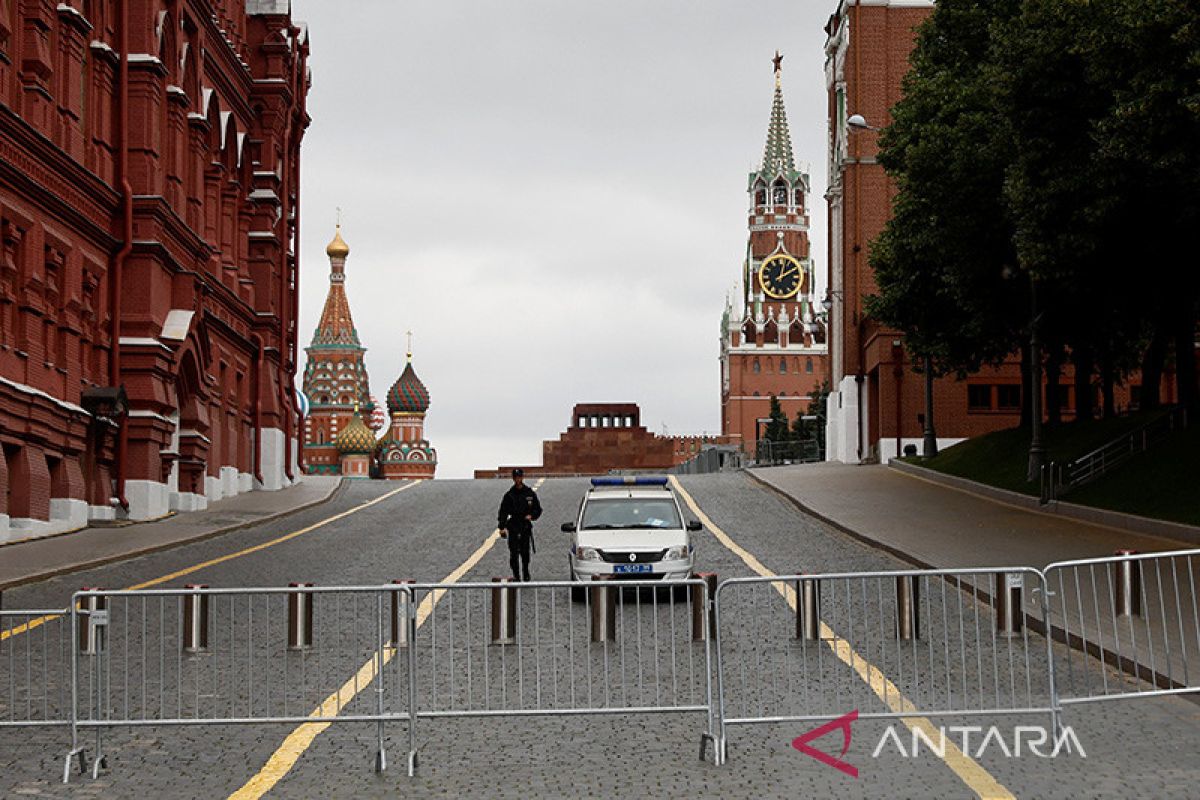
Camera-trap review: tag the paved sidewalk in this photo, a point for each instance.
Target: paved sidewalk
(38, 559)
(942, 527)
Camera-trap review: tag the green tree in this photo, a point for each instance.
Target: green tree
(777, 428)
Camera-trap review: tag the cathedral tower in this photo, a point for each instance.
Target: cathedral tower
(335, 379)
(771, 341)
(404, 452)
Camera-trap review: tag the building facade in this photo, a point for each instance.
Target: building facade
(149, 196)
(877, 403)
(335, 375)
(607, 437)
(772, 343)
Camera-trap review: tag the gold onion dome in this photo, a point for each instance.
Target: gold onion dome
(356, 438)
(338, 247)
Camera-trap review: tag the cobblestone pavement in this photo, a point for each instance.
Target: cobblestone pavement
(1137, 748)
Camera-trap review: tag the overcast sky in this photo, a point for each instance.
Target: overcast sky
(550, 195)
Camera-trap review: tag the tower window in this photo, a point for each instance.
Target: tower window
(780, 194)
(808, 366)
(756, 367)
(783, 366)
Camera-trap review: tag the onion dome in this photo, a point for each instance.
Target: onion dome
(378, 417)
(408, 395)
(338, 247)
(356, 438)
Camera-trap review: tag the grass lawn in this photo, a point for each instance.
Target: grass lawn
(1001, 458)
(1163, 482)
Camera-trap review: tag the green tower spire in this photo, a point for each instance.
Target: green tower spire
(777, 156)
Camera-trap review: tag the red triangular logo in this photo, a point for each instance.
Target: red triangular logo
(842, 722)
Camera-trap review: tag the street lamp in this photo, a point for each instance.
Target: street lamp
(859, 122)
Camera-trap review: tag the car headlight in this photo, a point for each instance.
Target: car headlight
(676, 553)
(587, 554)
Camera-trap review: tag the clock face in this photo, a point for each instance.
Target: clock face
(781, 277)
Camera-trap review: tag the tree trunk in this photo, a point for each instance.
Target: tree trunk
(1085, 405)
(1054, 362)
(1026, 394)
(1152, 371)
(1106, 389)
(1185, 361)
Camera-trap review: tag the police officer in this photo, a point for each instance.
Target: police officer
(518, 510)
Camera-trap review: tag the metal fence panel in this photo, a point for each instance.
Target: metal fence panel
(529, 648)
(35, 659)
(888, 644)
(1132, 622)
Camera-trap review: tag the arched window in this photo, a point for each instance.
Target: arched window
(808, 366)
(783, 366)
(779, 193)
(756, 367)
(799, 198)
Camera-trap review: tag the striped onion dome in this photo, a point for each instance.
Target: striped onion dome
(356, 438)
(408, 395)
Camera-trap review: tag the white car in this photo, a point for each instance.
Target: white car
(631, 528)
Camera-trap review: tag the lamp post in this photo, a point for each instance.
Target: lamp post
(1037, 450)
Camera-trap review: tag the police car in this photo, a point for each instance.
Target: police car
(632, 528)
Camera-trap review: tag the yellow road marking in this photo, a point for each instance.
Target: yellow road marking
(966, 768)
(39, 621)
(300, 739)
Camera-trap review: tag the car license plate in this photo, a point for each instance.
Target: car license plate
(633, 568)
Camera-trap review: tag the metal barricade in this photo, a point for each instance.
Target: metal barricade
(885, 644)
(1132, 623)
(561, 658)
(258, 663)
(35, 677)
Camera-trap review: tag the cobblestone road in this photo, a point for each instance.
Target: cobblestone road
(1140, 748)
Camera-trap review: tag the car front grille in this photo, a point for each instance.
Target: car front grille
(638, 557)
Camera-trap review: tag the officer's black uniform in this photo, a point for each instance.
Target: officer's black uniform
(519, 502)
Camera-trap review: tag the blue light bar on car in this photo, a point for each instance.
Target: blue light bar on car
(630, 481)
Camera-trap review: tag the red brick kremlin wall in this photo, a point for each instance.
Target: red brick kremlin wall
(147, 244)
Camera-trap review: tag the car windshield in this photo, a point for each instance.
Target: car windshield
(627, 512)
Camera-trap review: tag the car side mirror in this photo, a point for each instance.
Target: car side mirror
(694, 525)
(568, 527)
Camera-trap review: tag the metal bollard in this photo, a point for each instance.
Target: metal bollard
(808, 609)
(704, 621)
(1127, 585)
(195, 619)
(908, 617)
(1010, 618)
(504, 611)
(604, 610)
(91, 632)
(402, 616)
(300, 617)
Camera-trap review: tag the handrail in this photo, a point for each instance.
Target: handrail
(1058, 479)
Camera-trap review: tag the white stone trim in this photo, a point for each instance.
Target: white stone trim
(20, 387)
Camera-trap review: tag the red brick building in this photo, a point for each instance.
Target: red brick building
(771, 341)
(149, 221)
(877, 404)
(607, 437)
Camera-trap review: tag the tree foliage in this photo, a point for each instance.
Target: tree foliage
(1048, 152)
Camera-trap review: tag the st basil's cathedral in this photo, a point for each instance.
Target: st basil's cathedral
(339, 431)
